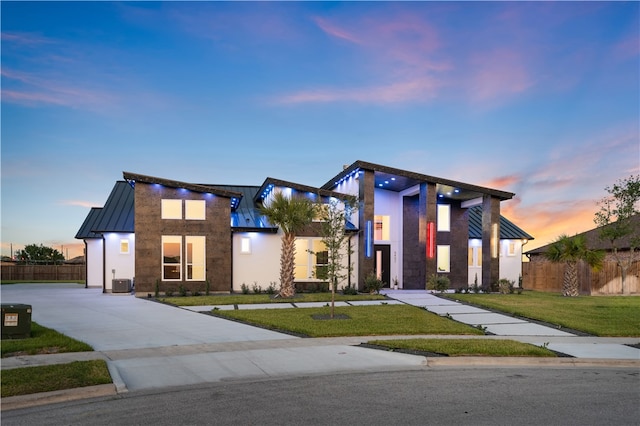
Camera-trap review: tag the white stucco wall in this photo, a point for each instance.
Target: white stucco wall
(389, 203)
(261, 265)
(510, 265)
(118, 265)
(94, 262)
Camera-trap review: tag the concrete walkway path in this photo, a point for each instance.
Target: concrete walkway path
(518, 329)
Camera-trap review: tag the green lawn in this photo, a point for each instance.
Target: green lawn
(28, 380)
(467, 347)
(597, 315)
(43, 340)
(239, 299)
(363, 321)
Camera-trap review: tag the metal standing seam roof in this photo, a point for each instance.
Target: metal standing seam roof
(117, 215)
(246, 217)
(508, 230)
(89, 222)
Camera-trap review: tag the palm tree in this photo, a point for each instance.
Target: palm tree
(571, 250)
(291, 215)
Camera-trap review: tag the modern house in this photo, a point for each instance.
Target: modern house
(165, 234)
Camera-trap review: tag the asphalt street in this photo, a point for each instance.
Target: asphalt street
(440, 396)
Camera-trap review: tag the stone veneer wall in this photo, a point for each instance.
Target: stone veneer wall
(149, 229)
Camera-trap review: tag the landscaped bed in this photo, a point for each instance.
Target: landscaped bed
(597, 315)
(239, 299)
(362, 321)
(465, 347)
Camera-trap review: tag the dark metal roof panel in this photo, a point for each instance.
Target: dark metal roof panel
(508, 230)
(247, 217)
(117, 215)
(89, 222)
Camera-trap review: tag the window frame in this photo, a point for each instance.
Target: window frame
(166, 209)
(202, 263)
(197, 211)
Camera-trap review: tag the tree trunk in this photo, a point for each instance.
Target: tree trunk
(287, 259)
(623, 276)
(570, 282)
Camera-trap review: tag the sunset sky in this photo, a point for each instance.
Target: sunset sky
(537, 98)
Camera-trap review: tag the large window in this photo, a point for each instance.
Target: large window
(311, 259)
(444, 260)
(444, 217)
(195, 258)
(171, 258)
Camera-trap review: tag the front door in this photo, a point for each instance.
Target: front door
(382, 256)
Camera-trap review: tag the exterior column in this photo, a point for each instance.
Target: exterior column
(366, 261)
(427, 230)
(490, 241)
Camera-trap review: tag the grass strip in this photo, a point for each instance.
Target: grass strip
(467, 347)
(28, 380)
(240, 299)
(597, 315)
(363, 321)
(3, 282)
(43, 340)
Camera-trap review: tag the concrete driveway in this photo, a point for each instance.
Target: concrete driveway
(150, 345)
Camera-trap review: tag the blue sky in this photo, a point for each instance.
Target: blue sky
(541, 99)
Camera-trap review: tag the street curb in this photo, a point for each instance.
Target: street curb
(529, 361)
(44, 398)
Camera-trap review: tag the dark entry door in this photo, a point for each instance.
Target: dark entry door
(382, 256)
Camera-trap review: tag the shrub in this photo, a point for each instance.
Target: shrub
(168, 292)
(182, 291)
(373, 284)
(272, 288)
(256, 288)
(350, 290)
(244, 288)
(207, 288)
(505, 286)
(438, 282)
(157, 288)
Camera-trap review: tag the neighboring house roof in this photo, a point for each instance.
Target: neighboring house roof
(508, 230)
(207, 189)
(397, 180)
(117, 213)
(595, 243)
(89, 222)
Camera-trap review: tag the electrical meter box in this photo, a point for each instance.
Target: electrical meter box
(16, 321)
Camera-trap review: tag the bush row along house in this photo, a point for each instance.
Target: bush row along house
(165, 234)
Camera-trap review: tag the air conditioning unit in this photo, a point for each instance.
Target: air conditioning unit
(121, 286)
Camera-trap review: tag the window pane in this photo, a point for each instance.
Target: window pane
(301, 271)
(171, 209)
(245, 245)
(443, 258)
(194, 209)
(382, 228)
(124, 246)
(444, 217)
(171, 257)
(195, 258)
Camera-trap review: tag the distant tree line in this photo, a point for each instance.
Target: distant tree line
(34, 254)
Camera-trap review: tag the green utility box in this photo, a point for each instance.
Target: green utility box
(16, 321)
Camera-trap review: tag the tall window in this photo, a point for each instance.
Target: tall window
(381, 230)
(311, 259)
(475, 256)
(124, 246)
(171, 209)
(444, 217)
(444, 260)
(171, 258)
(195, 255)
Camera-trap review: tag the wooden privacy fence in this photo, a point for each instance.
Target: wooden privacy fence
(43, 272)
(548, 276)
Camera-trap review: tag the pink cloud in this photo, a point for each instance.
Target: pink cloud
(80, 203)
(35, 90)
(420, 89)
(498, 73)
(335, 31)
